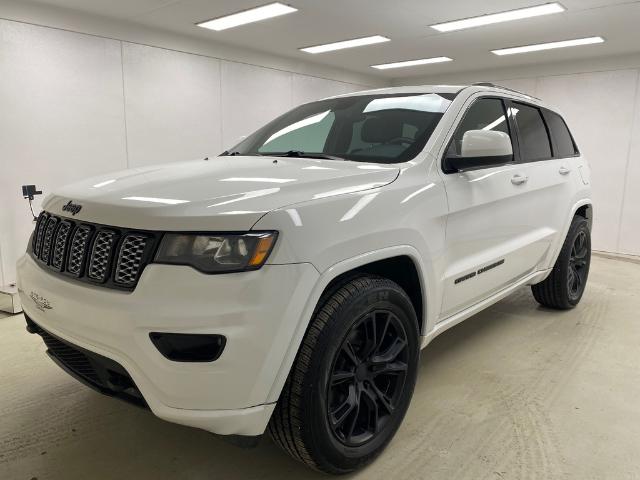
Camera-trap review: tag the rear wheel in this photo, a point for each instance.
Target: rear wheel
(353, 378)
(564, 287)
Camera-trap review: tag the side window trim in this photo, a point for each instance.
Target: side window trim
(552, 145)
(460, 119)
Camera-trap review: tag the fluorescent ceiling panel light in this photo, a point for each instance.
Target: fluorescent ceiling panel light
(548, 46)
(248, 16)
(546, 9)
(411, 63)
(356, 42)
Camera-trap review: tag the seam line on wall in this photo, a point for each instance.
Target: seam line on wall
(223, 145)
(628, 161)
(124, 104)
(1, 267)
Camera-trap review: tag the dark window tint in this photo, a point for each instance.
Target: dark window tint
(533, 137)
(564, 145)
(484, 114)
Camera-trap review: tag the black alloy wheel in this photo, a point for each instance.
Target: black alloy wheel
(367, 377)
(578, 266)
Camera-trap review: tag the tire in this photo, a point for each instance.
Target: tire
(565, 286)
(317, 420)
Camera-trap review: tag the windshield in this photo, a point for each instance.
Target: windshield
(367, 128)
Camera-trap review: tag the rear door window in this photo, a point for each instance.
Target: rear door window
(532, 133)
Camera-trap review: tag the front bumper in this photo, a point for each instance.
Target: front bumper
(258, 312)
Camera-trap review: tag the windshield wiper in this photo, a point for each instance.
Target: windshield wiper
(300, 154)
(227, 153)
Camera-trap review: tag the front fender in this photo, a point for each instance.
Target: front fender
(323, 281)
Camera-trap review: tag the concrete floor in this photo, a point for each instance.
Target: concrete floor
(516, 392)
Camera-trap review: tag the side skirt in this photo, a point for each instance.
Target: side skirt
(456, 318)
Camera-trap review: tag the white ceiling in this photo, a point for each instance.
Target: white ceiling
(405, 22)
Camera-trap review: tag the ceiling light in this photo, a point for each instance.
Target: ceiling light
(248, 16)
(411, 63)
(356, 42)
(548, 46)
(489, 19)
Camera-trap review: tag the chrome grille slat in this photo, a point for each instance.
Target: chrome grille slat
(81, 237)
(39, 233)
(130, 259)
(108, 256)
(47, 239)
(101, 255)
(60, 245)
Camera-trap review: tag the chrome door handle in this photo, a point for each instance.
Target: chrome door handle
(519, 179)
(564, 170)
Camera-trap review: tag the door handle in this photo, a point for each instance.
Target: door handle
(519, 179)
(564, 170)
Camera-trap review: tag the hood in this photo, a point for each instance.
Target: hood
(223, 193)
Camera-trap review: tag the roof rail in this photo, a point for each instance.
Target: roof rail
(493, 85)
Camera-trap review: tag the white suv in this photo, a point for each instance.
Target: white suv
(290, 283)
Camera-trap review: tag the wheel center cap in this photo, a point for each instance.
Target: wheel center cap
(362, 372)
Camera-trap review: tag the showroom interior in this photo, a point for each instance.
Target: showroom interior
(89, 87)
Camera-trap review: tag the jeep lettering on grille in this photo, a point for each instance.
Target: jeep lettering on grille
(72, 208)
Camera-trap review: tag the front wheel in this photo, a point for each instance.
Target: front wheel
(564, 287)
(353, 378)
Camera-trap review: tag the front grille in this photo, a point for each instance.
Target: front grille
(108, 256)
(73, 359)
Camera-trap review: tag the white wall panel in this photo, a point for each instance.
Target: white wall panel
(61, 119)
(308, 89)
(524, 85)
(629, 239)
(172, 105)
(599, 109)
(251, 96)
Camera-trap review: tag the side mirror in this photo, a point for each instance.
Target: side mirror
(481, 148)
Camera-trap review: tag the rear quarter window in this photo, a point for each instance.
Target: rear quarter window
(564, 144)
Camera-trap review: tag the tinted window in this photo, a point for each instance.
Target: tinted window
(532, 134)
(368, 128)
(564, 145)
(484, 114)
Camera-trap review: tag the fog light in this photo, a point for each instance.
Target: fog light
(189, 347)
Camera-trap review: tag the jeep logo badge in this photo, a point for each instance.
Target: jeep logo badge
(71, 207)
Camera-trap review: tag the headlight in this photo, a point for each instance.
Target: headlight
(217, 253)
